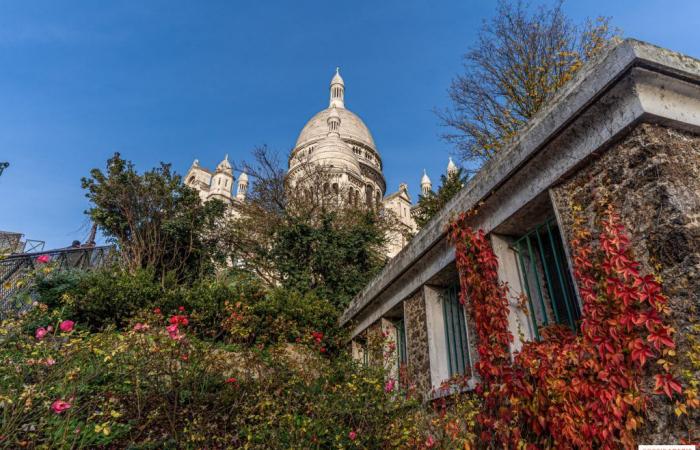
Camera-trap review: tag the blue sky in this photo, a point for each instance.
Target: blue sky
(177, 80)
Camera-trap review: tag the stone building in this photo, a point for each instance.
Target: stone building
(337, 139)
(218, 184)
(627, 129)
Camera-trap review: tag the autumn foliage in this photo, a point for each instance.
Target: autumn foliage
(584, 390)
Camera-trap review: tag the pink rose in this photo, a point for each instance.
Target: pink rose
(43, 259)
(141, 327)
(389, 386)
(40, 333)
(49, 329)
(430, 442)
(174, 332)
(66, 326)
(59, 406)
(352, 435)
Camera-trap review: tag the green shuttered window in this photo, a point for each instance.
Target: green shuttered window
(545, 277)
(456, 339)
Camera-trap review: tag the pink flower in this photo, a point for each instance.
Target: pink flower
(66, 326)
(231, 380)
(156, 311)
(58, 406)
(49, 362)
(430, 442)
(40, 333)
(49, 329)
(389, 386)
(141, 327)
(181, 308)
(174, 332)
(43, 259)
(352, 435)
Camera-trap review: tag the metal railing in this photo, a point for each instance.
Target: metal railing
(16, 270)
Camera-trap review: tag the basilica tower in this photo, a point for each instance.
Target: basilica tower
(339, 140)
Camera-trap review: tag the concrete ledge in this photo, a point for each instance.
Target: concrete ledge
(630, 82)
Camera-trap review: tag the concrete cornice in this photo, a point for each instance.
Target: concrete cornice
(629, 82)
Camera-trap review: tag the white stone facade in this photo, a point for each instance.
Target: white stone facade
(337, 139)
(217, 184)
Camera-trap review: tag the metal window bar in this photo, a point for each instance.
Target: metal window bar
(455, 332)
(401, 341)
(543, 245)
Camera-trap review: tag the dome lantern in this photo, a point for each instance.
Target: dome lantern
(337, 90)
(334, 121)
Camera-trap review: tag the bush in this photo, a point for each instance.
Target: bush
(51, 286)
(151, 388)
(286, 316)
(112, 296)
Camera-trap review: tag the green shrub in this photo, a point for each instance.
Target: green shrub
(285, 315)
(50, 287)
(112, 296)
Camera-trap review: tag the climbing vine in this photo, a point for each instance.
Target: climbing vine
(583, 390)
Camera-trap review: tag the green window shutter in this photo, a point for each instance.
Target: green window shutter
(456, 340)
(546, 278)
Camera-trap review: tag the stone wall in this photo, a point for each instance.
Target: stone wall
(652, 177)
(418, 366)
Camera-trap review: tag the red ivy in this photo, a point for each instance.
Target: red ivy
(568, 390)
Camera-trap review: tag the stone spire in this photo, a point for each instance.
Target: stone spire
(337, 90)
(242, 186)
(224, 166)
(451, 168)
(425, 184)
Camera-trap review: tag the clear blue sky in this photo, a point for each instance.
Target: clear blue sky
(177, 80)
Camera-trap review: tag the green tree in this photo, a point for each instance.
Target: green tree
(156, 221)
(335, 256)
(430, 204)
(520, 59)
(306, 238)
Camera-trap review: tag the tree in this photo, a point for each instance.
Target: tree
(431, 203)
(335, 257)
(518, 62)
(306, 237)
(156, 221)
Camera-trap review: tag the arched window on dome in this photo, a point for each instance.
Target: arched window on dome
(378, 198)
(368, 195)
(326, 189)
(191, 180)
(335, 189)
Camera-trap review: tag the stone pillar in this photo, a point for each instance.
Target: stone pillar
(519, 322)
(418, 364)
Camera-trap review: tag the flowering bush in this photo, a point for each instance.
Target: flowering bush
(156, 383)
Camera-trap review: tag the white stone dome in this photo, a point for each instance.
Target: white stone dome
(351, 128)
(332, 152)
